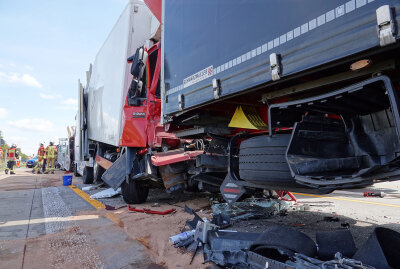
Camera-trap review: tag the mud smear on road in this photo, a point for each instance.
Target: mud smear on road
(66, 249)
(153, 232)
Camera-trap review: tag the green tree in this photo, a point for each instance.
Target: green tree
(5, 147)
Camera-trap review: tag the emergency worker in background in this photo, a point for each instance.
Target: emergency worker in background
(44, 163)
(12, 156)
(51, 155)
(40, 155)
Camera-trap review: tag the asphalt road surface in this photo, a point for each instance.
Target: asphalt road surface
(46, 225)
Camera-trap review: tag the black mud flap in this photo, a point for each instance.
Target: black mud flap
(115, 175)
(230, 190)
(126, 167)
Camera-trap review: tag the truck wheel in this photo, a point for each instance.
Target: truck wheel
(134, 192)
(262, 159)
(76, 174)
(98, 171)
(87, 175)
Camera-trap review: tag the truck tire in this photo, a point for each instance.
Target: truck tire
(87, 175)
(98, 171)
(134, 192)
(262, 159)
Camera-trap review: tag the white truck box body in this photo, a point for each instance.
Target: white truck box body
(110, 76)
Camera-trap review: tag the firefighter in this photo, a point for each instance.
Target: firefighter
(40, 155)
(12, 155)
(44, 163)
(51, 155)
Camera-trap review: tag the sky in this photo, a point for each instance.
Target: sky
(45, 47)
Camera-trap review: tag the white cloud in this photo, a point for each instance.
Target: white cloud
(26, 79)
(3, 113)
(70, 101)
(49, 96)
(35, 124)
(31, 81)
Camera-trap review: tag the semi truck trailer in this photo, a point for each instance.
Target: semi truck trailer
(241, 96)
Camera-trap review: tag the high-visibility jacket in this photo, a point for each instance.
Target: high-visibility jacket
(12, 154)
(41, 152)
(51, 151)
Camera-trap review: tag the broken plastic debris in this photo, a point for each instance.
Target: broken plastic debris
(88, 188)
(175, 239)
(106, 193)
(251, 209)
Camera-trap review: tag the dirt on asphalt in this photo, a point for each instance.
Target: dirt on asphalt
(26, 180)
(153, 231)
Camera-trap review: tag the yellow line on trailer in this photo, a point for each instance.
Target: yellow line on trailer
(346, 199)
(96, 204)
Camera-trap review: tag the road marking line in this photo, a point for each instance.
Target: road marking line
(96, 204)
(346, 199)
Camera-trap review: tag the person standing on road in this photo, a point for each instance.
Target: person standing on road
(51, 155)
(40, 155)
(12, 155)
(44, 163)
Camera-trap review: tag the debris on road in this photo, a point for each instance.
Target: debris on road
(285, 247)
(331, 242)
(222, 220)
(374, 194)
(106, 193)
(251, 209)
(228, 247)
(192, 224)
(110, 207)
(91, 187)
(149, 211)
(175, 239)
(380, 194)
(331, 219)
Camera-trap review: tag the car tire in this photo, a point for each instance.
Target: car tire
(87, 175)
(134, 192)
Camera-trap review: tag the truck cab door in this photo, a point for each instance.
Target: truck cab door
(134, 133)
(154, 103)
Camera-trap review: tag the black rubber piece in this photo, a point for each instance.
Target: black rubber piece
(381, 249)
(134, 192)
(262, 158)
(87, 175)
(284, 238)
(331, 242)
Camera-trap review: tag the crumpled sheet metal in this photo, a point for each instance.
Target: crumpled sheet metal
(251, 209)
